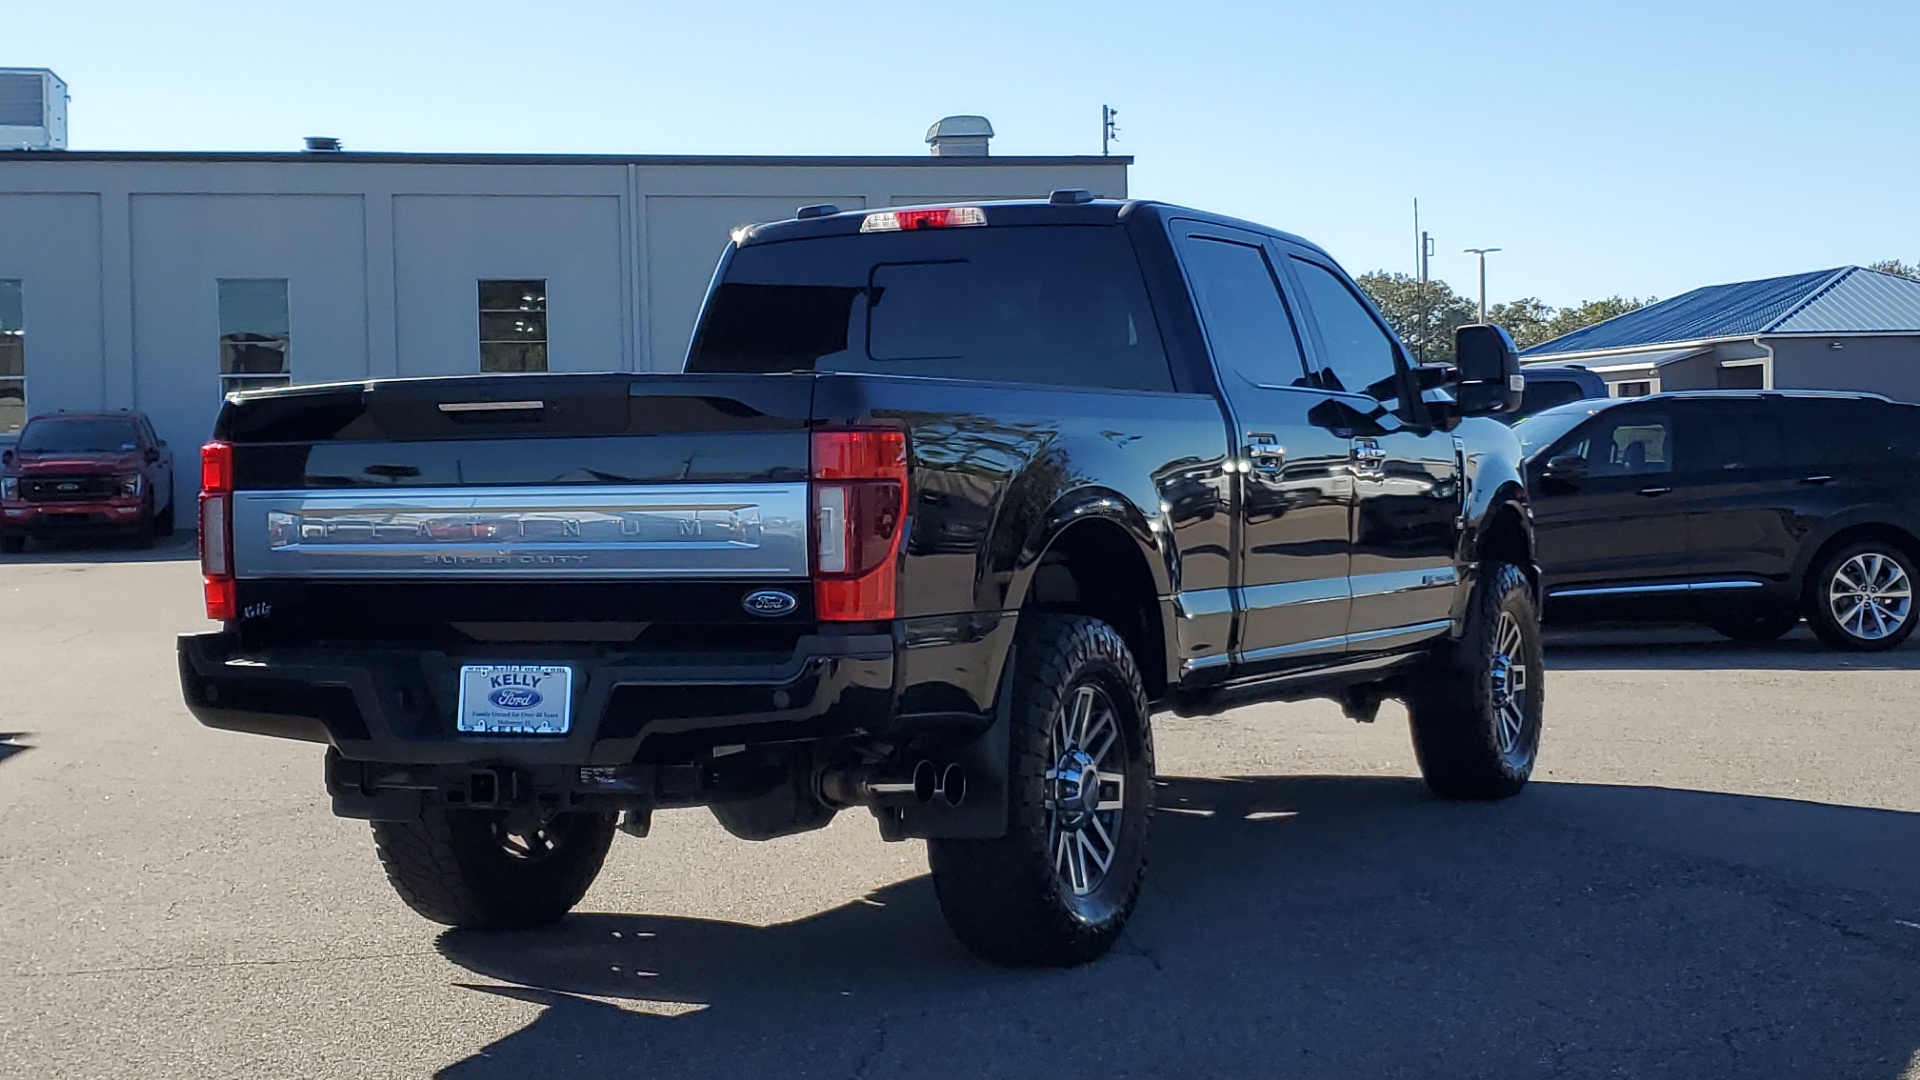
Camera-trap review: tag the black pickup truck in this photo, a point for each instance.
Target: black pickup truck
(948, 501)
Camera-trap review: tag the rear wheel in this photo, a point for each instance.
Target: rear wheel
(1861, 597)
(13, 545)
(1058, 888)
(483, 870)
(163, 520)
(1476, 712)
(1757, 629)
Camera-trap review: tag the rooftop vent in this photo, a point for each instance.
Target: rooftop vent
(323, 144)
(960, 136)
(33, 110)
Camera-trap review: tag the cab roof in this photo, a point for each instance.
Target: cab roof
(832, 221)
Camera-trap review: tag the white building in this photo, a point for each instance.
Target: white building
(154, 281)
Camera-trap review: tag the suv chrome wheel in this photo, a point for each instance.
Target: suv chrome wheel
(1870, 596)
(1086, 790)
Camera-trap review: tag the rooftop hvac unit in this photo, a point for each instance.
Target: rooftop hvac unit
(33, 110)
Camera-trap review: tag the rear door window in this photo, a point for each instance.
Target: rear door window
(1744, 439)
(1248, 327)
(1059, 305)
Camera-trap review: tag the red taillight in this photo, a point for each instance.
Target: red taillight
(216, 469)
(859, 514)
(943, 217)
(216, 531)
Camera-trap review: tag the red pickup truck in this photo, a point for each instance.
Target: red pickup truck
(86, 474)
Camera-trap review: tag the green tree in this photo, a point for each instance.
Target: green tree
(1567, 320)
(1895, 266)
(1424, 313)
(1526, 319)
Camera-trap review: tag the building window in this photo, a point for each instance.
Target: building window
(1632, 389)
(513, 325)
(254, 335)
(13, 358)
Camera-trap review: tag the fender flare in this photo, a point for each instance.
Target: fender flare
(1075, 508)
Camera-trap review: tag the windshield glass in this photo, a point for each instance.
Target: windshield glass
(80, 435)
(1541, 430)
(1063, 305)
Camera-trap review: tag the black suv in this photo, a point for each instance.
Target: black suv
(1744, 510)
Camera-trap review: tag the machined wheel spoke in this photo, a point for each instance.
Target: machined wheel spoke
(1100, 849)
(1117, 783)
(1102, 728)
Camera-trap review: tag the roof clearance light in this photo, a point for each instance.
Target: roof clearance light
(946, 217)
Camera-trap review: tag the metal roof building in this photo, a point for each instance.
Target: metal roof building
(1844, 329)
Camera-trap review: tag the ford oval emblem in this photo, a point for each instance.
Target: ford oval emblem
(514, 697)
(771, 603)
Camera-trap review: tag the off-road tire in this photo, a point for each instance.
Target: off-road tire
(1453, 703)
(13, 545)
(1003, 897)
(163, 520)
(1757, 629)
(1821, 617)
(452, 868)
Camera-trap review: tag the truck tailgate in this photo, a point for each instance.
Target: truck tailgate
(645, 485)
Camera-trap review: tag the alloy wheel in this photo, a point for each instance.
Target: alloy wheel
(1508, 681)
(1870, 596)
(1086, 790)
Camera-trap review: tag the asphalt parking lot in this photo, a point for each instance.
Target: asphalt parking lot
(1714, 874)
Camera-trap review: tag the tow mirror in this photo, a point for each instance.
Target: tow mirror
(1489, 371)
(6, 457)
(1565, 467)
(152, 455)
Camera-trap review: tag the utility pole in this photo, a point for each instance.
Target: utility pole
(1483, 253)
(1109, 130)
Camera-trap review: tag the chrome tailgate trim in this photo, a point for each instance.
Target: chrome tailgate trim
(611, 531)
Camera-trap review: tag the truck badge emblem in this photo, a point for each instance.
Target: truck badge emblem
(771, 603)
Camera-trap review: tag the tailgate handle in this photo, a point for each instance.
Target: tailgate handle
(490, 406)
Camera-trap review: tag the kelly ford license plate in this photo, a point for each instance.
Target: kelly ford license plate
(515, 699)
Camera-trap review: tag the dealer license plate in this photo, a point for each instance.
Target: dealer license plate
(515, 699)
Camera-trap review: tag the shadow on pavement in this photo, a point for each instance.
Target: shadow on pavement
(1669, 648)
(9, 744)
(1304, 926)
(179, 547)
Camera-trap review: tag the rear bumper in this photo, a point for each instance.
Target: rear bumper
(397, 705)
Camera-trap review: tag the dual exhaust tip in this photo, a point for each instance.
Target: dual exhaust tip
(866, 785)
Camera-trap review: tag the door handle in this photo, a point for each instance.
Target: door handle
(1817, 480)
(1264, 452)
(1654, 490)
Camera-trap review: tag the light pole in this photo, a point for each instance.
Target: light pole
(1483, 253)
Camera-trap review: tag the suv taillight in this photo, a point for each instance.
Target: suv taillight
(216, 530)
(859, 513)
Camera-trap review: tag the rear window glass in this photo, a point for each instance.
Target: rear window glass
(1546, 393)
(1060, 305)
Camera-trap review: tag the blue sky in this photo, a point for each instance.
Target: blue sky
(1624, 147)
